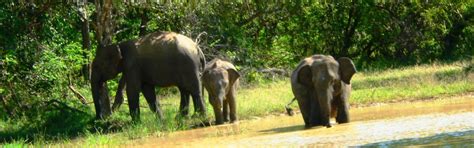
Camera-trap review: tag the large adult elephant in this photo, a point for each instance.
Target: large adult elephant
(321, 86)
(158, 59)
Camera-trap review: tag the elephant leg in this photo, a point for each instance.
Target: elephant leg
(133, 102)
(150, 96)
(343, 106)
(119, 95)
(316, 117)
(225, 109)
(342, 111)
(195, 90)
(184, 104)
(232, 105)
(305, 109)
(334, 108)
(324, 100)
(101, 99)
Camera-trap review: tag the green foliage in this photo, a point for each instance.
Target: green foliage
(40, 53)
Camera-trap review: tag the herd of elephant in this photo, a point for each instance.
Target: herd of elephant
(320, 83)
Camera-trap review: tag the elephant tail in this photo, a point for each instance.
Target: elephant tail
(202, 57)
(289, 110)
(202, 60)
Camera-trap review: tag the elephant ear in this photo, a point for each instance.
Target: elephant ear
(346, 69)
(233, 75)
(304, 75)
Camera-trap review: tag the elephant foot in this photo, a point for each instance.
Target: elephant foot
(342, 120)
(219, 122)
(136, 120)
(311, 125)
(234, 121)
(308, 126)
(328, 126)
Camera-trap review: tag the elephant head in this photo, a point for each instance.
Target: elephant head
(220, 78)
(319, 83)
(105, 66)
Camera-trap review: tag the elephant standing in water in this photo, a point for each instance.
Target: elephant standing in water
(158, 59)
(322, 87)
(220, 78)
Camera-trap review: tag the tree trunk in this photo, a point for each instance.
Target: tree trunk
(144, 22)
(349, 32)
(86, 43)
(104, 23)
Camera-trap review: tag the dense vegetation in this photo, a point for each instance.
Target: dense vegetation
(46, 46)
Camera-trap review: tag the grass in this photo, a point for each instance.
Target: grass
(254, 101)
(411, 83)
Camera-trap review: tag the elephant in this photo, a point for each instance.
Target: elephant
(221, 79)
(119, 95)
(160, 59)
(321, 85)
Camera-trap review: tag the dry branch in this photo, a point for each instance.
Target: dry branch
(78, 95)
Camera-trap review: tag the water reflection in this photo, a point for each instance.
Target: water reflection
(454, 139)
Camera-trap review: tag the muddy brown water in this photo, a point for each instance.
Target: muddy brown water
(448, 121)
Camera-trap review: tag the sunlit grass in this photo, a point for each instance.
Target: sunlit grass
(263, 99)
(412, 83)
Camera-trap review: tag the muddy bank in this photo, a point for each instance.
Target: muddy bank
(385, 124)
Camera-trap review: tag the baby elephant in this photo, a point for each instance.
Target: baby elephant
(220, 78)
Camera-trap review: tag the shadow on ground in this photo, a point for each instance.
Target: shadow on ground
(287, 129)
(57, 122)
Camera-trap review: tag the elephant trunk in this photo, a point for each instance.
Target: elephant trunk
(324, 97)
(119, 95)
(217, 105)
(219, 115)
(217, 99)
(100, 95)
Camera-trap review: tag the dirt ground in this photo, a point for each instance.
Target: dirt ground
(440, 122)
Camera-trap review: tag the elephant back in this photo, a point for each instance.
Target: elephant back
(219, 63)
(166, 42)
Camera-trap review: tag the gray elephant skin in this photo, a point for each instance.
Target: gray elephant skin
(220, 78)
(321, 86)
(160, 59)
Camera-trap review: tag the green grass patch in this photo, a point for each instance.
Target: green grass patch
(253, 101)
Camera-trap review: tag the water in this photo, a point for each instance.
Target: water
(428, 123)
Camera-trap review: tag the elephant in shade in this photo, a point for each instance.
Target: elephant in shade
(220, 78)
(322, 87)
(158, 59)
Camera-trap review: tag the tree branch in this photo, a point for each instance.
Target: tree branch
(78, 95)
